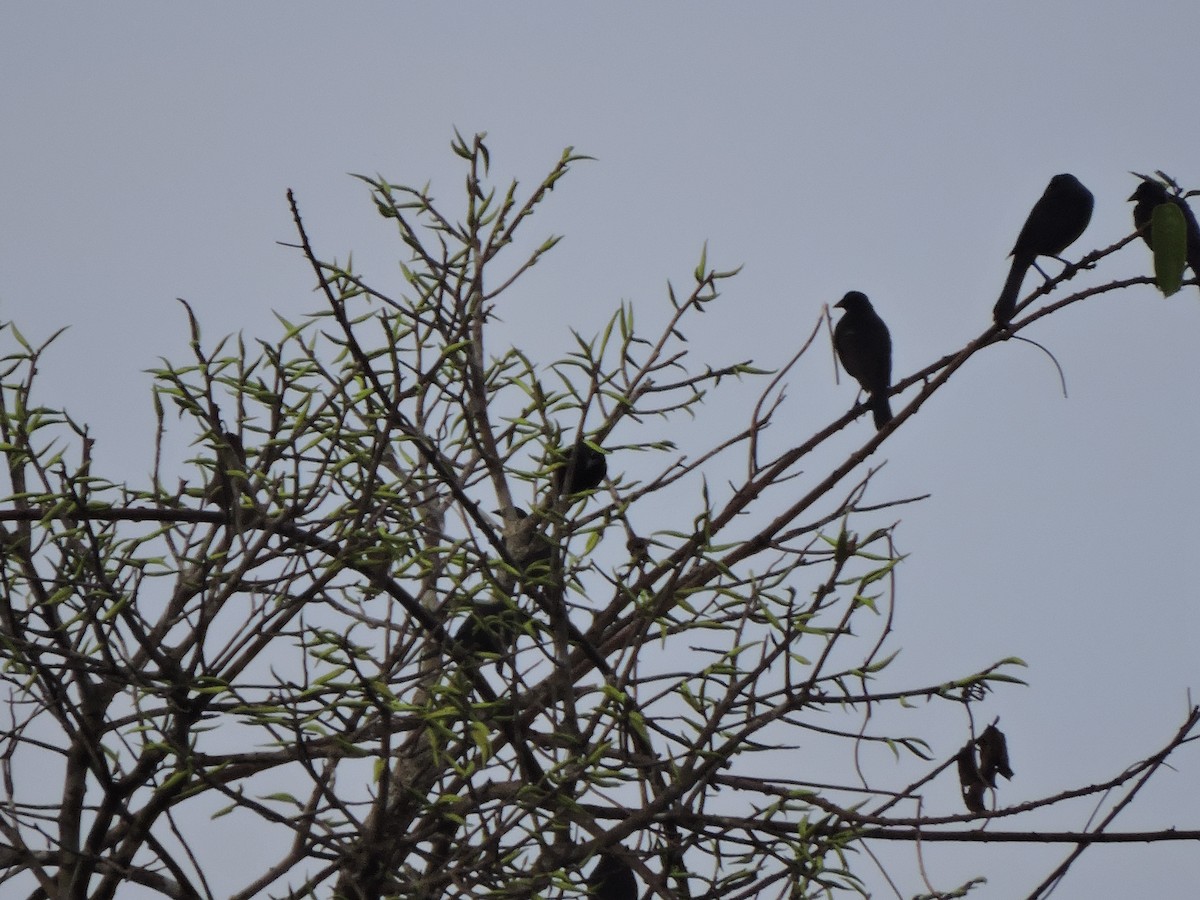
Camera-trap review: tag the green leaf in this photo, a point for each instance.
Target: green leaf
(480, 734)
(282, 797)
(592, 541)
(1170, 247)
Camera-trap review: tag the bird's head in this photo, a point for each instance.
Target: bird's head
(1065, 179)
(854, 300)
(511, 513)
(1149, 191)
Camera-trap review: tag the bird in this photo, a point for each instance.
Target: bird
(495, 625)
(1151, 194)
(612, 879)
(864, 346)
(583, 470)
(229, 471)
(1054, 224)
(492, 627)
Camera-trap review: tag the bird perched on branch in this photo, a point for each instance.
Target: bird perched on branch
(612, 879)
(492, 627)
(864, 347)
(1055, 222)
(1151, 194)
(583, 470)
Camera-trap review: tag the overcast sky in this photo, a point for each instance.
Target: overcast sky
(890, 148)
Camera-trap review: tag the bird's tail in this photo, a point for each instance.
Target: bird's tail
(881, 409)
(1006, 306)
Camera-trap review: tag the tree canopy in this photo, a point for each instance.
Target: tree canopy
(427, 616)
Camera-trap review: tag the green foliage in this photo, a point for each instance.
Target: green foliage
(1170, 247)
(317, 628)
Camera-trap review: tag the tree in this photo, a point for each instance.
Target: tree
(324, 639)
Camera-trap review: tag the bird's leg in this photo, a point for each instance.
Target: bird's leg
(1068, 264)
(1065, 262)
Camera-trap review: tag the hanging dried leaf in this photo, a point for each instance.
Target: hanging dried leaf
(993, 755)
(970, 779)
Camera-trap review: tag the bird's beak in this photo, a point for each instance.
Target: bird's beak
(1131, 197)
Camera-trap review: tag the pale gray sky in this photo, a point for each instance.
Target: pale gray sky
(890, 148)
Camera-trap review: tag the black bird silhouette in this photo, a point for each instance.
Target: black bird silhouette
(864, 346)
(612, 879)
(1055, 222)
(1150, 194)
(583, 470)
(492, 627)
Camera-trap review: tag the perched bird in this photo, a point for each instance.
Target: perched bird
(583, 470)
(1055, 222)
(612, 879)
(229, 471)
(1150, 194)
(864, 346)
(492, 627)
